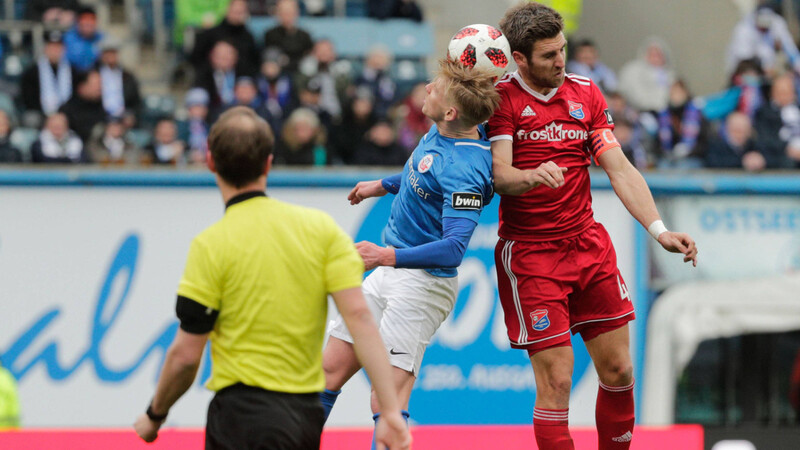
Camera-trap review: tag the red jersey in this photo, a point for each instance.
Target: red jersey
(565, 126)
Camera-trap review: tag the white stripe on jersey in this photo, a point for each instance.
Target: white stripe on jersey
(575, 76)
(502, 137)
(485, 147)
(506, 256)
(583, 81)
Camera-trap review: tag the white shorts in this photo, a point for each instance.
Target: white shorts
(408, 305)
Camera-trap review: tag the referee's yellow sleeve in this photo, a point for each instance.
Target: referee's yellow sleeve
(344, 268)
(200, 281)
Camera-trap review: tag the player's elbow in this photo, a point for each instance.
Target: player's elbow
(454, 255)
(185, 357)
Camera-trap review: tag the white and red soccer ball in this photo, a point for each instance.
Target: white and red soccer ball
(482, 46)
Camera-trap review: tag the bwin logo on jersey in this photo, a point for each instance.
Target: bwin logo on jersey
(467, 200)
(540, 320)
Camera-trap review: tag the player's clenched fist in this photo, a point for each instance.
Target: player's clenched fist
(146, 428)
(549, 174)
(366, 189)
(374, 255)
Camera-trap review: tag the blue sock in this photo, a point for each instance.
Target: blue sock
(377, 416)
(328, 398)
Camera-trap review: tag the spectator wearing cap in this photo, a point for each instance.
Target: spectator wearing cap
(380, 148)
(310, 97)
(218, 76)
(763, 35)
(194, 130)
(109, 145)
(57, 143)
(358, 117)
(276, 89)
(233, 30)
(83, 40)
(84, 110)
(333, 74)
(48, 83)
(120, 88)
(587, 63)
(57, 13)
(377, 78)
(293, 41)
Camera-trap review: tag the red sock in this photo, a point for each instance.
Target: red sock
(614, 417)
(551, 430)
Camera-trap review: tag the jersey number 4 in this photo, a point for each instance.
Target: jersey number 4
(623, 290)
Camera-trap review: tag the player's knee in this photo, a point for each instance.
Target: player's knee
(556, 387)
(334, 376)
(617, 373)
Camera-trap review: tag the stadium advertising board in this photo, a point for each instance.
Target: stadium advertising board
(88, 279)
(751, 236)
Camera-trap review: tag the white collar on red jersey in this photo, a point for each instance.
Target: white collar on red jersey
(544, 98)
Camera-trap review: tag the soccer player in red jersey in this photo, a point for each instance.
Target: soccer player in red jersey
(556, 267)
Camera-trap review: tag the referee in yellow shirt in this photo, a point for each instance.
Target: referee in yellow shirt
(256, 284)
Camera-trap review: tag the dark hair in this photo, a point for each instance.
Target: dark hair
(82, 77)
(240, 143)
(529, 22)
(84, 9)
(584, 43)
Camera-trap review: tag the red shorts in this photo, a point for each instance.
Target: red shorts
(549, 288)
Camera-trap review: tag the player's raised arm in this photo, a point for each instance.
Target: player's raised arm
(632, 190)
(508, 180)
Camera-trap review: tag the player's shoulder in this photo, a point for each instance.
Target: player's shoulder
(306, 214)
(579, 83)
(507, 84)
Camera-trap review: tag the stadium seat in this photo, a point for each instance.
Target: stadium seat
(154, 107)
(140, 138)
(353, 37)
(23, 139)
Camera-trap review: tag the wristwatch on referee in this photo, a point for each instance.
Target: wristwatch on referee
(158, 418)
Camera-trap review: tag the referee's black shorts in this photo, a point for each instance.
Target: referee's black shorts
(242, 417)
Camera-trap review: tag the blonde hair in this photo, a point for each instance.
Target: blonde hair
(302, 115)
(471, 90)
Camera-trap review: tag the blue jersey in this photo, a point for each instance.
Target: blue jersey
(444, 177)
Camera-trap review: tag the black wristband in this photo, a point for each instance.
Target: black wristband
(153, 416)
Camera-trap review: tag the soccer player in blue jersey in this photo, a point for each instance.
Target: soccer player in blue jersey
(438, 198)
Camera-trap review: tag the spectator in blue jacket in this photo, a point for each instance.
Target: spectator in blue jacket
(83, 40)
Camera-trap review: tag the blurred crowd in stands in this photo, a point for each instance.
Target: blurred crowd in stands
(75, 103)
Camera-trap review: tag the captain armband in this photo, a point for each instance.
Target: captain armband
(602, 140)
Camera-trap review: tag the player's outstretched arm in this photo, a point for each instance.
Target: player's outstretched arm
(508, 180)
(632, 190)
(392, 431)
(365, 190)
(180, 367)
